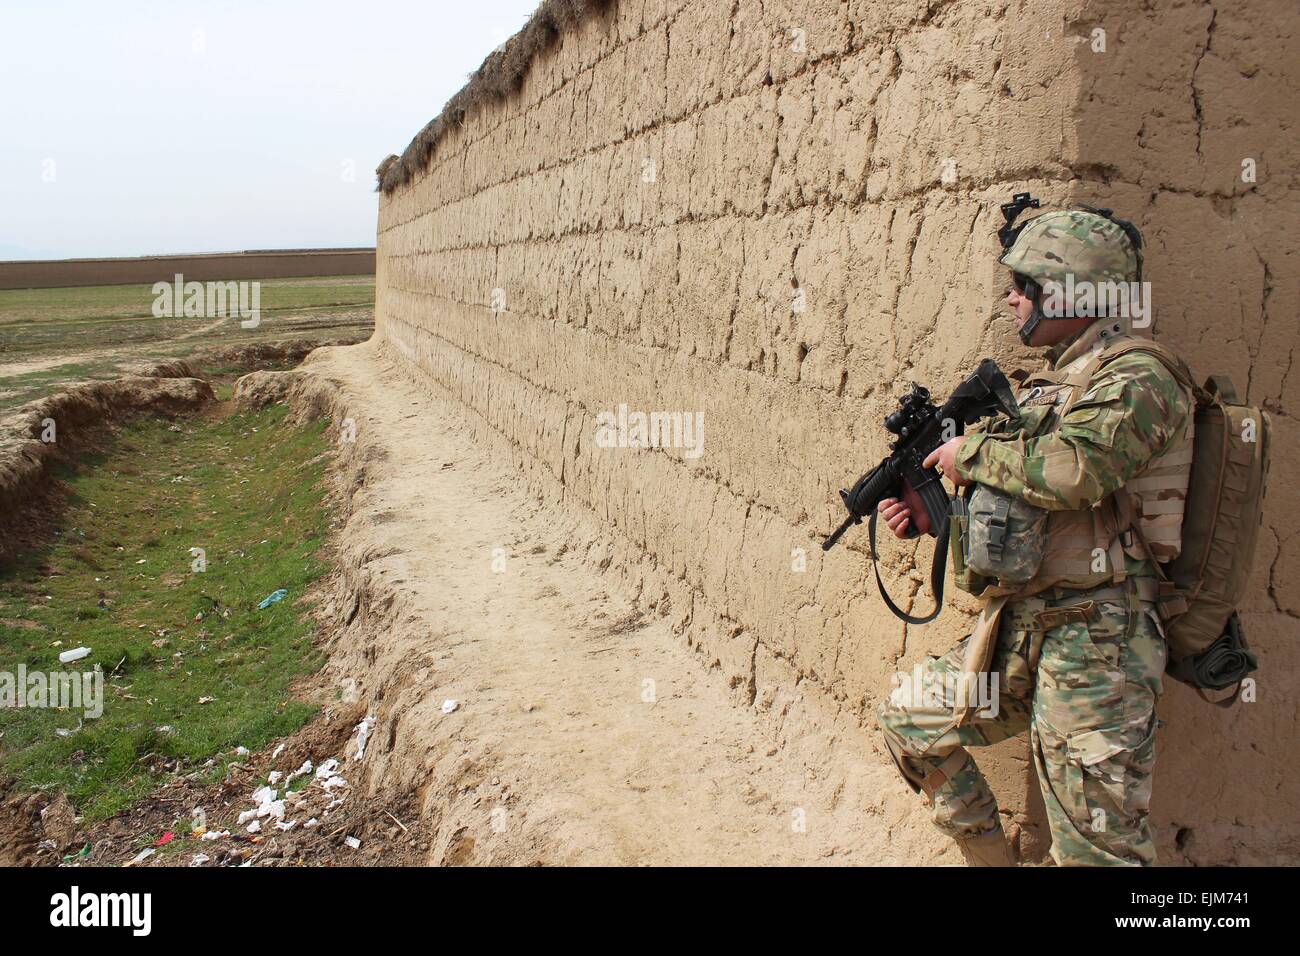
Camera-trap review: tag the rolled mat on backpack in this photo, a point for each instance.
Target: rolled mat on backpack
(1219, 666)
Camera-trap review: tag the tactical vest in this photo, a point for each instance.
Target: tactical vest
(1086, 549)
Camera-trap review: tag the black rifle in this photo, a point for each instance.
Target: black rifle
(921, 428)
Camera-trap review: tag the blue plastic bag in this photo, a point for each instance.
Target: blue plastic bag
(272, 598)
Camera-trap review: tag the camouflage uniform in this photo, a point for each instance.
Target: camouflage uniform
(1085, 685)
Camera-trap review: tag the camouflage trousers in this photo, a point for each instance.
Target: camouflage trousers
(1085, 691)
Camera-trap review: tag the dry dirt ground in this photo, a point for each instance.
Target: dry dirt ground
(582, 732)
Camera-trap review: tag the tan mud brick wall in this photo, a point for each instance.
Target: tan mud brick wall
(777, 215)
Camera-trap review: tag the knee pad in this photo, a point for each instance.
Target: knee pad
(919, 779)
(900, 761)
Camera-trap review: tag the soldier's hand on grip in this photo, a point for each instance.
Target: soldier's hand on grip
(899, 513)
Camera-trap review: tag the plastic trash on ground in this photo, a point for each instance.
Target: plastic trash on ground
(273, 598)
(363, 734)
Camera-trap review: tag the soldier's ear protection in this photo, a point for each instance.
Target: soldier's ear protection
(1031, 290)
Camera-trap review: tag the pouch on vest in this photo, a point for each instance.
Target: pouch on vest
(958, 523)
(1005, 537)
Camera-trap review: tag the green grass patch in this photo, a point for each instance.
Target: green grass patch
(121, 579)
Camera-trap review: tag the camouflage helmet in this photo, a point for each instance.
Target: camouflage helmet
(1086, 243)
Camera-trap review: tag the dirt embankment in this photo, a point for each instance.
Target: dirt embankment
(59, 430)
(55, 430)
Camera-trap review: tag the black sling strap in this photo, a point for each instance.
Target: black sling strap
(938, 570)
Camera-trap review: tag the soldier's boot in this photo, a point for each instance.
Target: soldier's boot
(984, 849)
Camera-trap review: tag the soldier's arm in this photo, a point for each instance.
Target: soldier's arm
(1130, 412)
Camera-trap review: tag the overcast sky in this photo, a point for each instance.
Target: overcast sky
(133, 128)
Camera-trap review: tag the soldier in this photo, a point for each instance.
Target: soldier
(1078, 652)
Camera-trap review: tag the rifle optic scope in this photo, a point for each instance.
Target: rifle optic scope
(913, 409)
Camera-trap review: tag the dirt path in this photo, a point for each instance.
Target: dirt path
(143, 351)
(583, 733)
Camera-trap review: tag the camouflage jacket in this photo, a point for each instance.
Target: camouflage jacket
(1128, 414)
